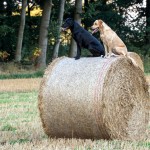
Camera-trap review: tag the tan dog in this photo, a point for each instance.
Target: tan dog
(112, 42)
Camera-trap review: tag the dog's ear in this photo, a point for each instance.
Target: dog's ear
(100, 22)
(70, 21)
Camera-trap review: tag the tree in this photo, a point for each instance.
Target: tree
(31, 5)
(9, 7)
(147, 38)
(86, 7)
(21, 31)
(60, 20)
(77, 17)
(43, 36)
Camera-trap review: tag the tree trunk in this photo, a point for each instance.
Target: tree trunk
(60, 20)
(147, 38)
(21, 31)
(43, 37)
(29, 11)
(77, 17)
(86, 7)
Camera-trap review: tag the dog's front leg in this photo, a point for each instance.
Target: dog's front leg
(109, 52)
(106, 51)
(78, 52)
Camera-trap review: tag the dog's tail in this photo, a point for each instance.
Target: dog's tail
(133, 61)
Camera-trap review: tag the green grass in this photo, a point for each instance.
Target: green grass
(8, 127)
(36, 74)
(24, 102)
(12, 97)
(20, 128)
(19, 141)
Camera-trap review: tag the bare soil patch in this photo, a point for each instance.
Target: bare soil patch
(19, 85)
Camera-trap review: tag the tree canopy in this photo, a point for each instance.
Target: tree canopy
(130, 19)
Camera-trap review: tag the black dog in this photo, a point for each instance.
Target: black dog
(83, 39)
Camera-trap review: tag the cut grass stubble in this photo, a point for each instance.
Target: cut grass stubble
(20, 124)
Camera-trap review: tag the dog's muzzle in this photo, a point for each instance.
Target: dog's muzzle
(94, 30)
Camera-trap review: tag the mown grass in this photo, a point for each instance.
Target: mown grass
(19, 119)
(36, 74)
(21, 128)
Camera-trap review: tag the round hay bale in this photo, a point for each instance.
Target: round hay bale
(137, 59)
(94, 98)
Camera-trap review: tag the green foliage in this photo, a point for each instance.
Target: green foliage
(9, 31)
(4, 56)
(8, 36)
(31, 36)
(147, 64)
(5, 29)
(63, 51)
(115, 14)
(52, 31)
(127, 3)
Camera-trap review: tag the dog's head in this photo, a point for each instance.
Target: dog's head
(67, 24)
(97, 25)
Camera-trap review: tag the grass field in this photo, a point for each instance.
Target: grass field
(21, 129)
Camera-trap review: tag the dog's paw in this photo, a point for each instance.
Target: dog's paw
(106, 56)
(76, 58)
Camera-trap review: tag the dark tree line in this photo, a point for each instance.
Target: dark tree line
(38, 37)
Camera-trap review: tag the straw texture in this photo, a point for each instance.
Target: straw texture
(94, 98)
(137, 59)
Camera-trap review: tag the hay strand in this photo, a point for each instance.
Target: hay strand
(94, 98)
(137, 59)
